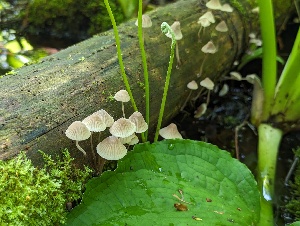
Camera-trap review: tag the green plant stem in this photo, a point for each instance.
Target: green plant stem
(165, 28)
(269, 67)
(120, 58)
(269, 139)
(144, 60)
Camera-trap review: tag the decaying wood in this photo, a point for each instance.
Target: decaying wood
(41, 100)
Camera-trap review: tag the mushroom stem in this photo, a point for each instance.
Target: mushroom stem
(101, 162)
(188, 97)
(80, 148)
(177, 55)
(208, 97)
(123, 110)
(200, 29)
(201, 68)
(93, 151)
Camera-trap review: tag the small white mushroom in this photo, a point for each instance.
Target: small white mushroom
(78, 131)
(122, 128)
(146, 21)
(107, 118)
(138, 119)
(134, 140)
(111, 148)
(192, 86)
(126, 140)
(200, 110)
(214, 4)
(207, 48)
(170, 132)
(222, 26)
(178, 36)
(255, 10)
(95, 124)
(226, 8)
(207, 83)
(224, 90)
(122, 96)
(205, 20)
(234, 75)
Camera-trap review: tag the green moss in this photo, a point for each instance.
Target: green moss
(75, 19)
(31, 196)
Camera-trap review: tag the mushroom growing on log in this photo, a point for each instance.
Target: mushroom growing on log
(41, 100)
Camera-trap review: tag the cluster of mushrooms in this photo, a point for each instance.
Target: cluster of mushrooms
(209, 48)
(123, 131)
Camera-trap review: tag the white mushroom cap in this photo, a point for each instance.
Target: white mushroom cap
(94, 123)
(252, 78)
(226, 8)
(122, 128)
(208, 16)
(192, 85)
(126, 140)
(138, 120)
(134, 140)
(170, 132)
(177, 31)
(235, 75)
(111, 148)
(204, 22)
(222, 26)
(200, 110)
(214, 4)
(122, 95)
(224, 90)
(107, 118)
(207, 83)
(146, 21)
(78, 131)
(209, 48)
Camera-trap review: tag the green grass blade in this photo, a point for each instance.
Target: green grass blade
(287, 90)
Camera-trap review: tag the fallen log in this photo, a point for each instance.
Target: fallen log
(38, 102)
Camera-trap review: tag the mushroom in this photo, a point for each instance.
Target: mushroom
(209, 85)
(134, 140)
(192, 86)
(224, 90)
(126, 140)
(138, 120)
(178, 36)
(226, 8)
(205, 20)
(111, 148)
(122, 128)
(78, 131)
(222, 26)
(213, 4)
(122, 96)
(170, 132)
(95, 124)
(207, 48)
(146, 23)
(200, 110)
(107, 119)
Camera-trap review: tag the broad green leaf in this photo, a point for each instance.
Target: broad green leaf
(220, 189)
(297, 223)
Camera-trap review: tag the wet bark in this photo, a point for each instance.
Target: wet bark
(40, 101)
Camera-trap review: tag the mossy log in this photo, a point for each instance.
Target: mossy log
(40, 101)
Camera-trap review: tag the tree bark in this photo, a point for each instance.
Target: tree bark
(40, 101)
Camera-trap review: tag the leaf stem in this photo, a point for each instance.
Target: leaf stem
(144, 60)
(165, 28)
(120, 58)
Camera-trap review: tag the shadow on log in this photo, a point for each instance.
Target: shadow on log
(41, 100)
